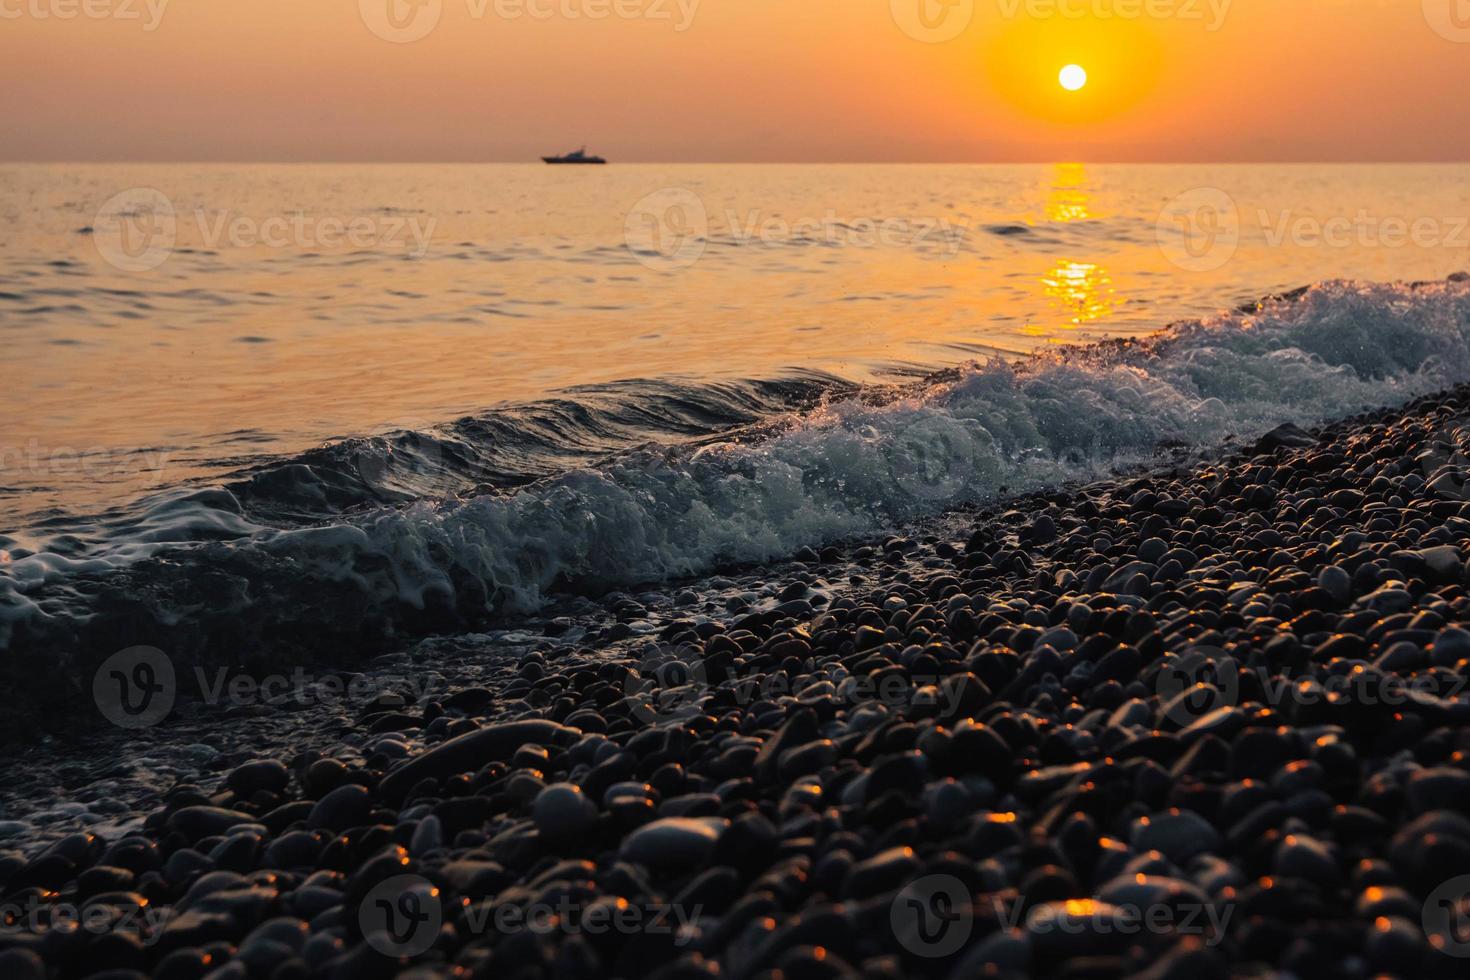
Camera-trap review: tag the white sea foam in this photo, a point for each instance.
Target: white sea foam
(854, 468)
(850, 468)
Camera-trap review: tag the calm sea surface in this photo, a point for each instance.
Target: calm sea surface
(167, 324)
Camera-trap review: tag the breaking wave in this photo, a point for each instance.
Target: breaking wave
(355, 545)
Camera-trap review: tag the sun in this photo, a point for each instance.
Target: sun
(1073, 77)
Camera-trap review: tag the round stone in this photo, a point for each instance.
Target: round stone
(562, 810)
(674, 841)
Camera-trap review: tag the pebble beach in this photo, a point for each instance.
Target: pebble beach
(1207, 720)
(665, 490)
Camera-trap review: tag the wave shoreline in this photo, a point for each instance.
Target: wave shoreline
(1235, 686)
(851, 467)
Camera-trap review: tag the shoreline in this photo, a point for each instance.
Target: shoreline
(345, 586)
(1229, 686)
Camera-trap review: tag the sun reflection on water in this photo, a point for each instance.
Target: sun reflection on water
(1083, 291)
(1077, 292)
(1068, 198)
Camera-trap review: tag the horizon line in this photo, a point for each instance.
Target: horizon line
(740, 163)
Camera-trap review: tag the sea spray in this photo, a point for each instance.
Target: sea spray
(852, 465)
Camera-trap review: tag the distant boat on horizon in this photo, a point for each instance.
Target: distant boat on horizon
(579, 156)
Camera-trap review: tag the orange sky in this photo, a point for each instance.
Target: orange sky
(734, 80)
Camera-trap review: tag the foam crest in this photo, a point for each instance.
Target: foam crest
(852, 466)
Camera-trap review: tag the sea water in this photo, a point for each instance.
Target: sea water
(459, 387)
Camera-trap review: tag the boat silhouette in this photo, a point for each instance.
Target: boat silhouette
(580, 156)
